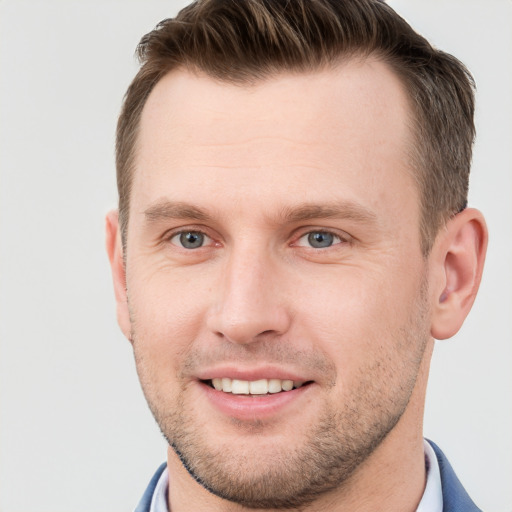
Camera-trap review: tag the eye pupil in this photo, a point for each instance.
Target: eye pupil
(191, 240)
(319, 239)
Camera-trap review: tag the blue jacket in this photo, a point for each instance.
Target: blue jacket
(455, 498)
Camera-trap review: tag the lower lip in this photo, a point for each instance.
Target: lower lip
(253, 407)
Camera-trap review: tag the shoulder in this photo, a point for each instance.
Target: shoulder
(455, 497)
(145, 502)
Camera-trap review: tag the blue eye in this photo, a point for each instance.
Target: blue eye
(319, 239)
(190, 239)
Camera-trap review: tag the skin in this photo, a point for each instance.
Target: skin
(256, 169)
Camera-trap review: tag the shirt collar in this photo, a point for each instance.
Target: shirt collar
(432, 500)
(159, 499)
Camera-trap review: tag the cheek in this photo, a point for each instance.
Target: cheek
(360, 317)
(346, 300)
(166, 311)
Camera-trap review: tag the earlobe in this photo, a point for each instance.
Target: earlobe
(115, 255)
(458, 259)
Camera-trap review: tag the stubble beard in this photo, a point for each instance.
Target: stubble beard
(336, 445)
(282, 479)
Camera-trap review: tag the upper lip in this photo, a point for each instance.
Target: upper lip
(250, 374)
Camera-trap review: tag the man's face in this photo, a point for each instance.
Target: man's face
(274, 237)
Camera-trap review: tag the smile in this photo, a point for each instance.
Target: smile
(254, 387)
(255, 398)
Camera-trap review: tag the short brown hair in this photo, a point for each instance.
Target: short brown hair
(246, 41)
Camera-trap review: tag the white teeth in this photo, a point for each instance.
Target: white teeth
(258, 387)
(240, 387)
(255, 387)
(226, 385)
(287, 385)
(274, 386)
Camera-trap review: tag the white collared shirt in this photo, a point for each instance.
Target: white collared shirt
(432, 500)
(159, 500)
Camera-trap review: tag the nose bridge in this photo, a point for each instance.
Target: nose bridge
(249, 302)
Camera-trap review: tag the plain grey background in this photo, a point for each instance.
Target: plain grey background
(75, 432)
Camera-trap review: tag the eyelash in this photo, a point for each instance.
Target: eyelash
(182, 232)
(336, 238)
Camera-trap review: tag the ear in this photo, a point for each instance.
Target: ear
(457, 259)
(115, 255)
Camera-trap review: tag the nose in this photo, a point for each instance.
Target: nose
(250, 303)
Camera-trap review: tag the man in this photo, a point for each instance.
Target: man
(292, 236)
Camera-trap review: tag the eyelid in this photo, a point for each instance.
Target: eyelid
(172, 233)
(341, 236)
(206, 239)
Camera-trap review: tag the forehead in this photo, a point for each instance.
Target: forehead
(336, 131)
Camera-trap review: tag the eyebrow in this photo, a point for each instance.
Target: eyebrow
(337, 210)
(175, 210)
(166, 210)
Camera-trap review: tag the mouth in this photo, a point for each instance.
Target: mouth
(255, 398)
(260, 387)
